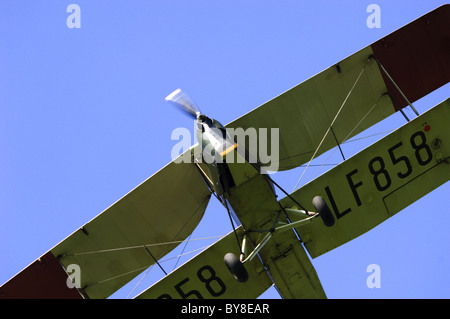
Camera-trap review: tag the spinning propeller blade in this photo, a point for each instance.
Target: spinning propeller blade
(182, 100)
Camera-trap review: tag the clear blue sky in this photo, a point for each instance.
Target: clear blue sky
(83, 119)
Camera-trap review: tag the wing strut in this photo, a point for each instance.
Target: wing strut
(396, 86)
(156, 260)
(337, 142)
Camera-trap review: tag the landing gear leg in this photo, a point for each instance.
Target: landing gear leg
(236, 265)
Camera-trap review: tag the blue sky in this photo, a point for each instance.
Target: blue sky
(83, 119)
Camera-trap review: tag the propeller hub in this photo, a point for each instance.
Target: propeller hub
(202, 118)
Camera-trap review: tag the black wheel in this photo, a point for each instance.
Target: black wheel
(324, 211)
(236, 268)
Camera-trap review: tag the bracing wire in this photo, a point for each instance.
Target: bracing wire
(136, 247)
(149, 267)
(332, 122)
(346, 140)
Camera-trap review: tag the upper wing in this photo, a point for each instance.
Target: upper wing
(378, 182)
(416, 57)
(165, 208)
(206, 276)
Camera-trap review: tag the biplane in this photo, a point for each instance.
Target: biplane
(273, 237)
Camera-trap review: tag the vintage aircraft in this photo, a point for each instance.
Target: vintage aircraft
(268, 248)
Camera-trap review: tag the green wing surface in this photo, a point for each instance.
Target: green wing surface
(415, 58)
(207, 277)
(378, 182)
(118, 244)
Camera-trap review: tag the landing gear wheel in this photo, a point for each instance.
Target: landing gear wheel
(236, 267)
(324, 211)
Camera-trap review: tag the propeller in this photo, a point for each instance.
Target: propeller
(181, 99)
